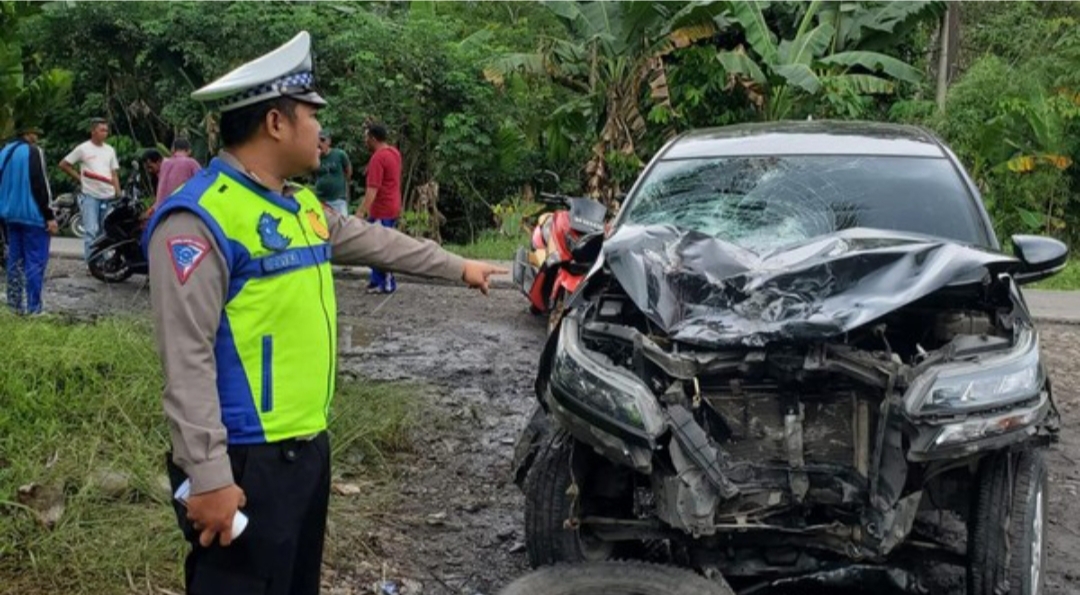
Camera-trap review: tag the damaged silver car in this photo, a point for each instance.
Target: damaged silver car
(801, 351)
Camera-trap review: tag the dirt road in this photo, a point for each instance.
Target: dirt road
(480, 353)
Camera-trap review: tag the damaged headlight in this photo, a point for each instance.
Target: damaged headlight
(594, 383)
(987, 383)
(977, 428)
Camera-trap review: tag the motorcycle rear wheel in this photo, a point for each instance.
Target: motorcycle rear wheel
(75, 226)
(110, 267)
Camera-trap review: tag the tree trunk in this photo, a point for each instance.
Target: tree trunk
(948, 29)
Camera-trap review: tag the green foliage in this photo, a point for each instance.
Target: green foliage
(823, 65)
(27, 91)
(79, 400)
(479, 96)
(1066, 280)
(1013, 117)
(418, 224)
(490, 245)
(606, 55)
(512, 217)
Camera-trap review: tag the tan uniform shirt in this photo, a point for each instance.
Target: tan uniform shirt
(187, 315)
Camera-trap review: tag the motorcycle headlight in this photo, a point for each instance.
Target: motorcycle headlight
(986, 383)
(597, 386)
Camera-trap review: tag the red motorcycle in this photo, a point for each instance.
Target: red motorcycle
(559, 255)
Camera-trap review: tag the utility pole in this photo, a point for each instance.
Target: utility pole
(948, 28)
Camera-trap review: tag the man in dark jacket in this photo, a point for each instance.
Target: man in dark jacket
(24, 208)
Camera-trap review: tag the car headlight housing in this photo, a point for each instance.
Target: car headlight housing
(988, 383)
(979, 427)
(593, 382)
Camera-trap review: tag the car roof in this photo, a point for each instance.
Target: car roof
(822, 137)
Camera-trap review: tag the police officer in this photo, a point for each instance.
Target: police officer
(243, 304)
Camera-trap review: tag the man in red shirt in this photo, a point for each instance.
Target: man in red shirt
(176, 170)
(382, 199)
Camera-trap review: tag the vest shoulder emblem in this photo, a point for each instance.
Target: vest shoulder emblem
(317, 225)
(269, 236)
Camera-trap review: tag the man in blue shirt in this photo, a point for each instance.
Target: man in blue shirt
(25, 211)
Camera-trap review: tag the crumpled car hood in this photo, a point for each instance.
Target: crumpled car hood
(704, 291)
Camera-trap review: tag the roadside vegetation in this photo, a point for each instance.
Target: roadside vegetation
(482, 96)
(84, 508)
(490, 245)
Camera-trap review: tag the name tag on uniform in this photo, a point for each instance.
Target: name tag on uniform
(277, 262)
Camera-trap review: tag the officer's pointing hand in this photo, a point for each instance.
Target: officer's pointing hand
(476, 274)
(212, 513)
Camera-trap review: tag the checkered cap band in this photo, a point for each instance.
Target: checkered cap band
(295, 82)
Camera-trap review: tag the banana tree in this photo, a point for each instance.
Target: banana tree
(24, 100)
(609, 52)
(1033, 133)
(823, 56)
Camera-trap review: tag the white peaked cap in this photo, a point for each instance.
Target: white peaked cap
(284, 72)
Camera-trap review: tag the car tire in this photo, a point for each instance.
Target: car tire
(614, 578)
(549, 505)
(532, 438)
(1006, 534)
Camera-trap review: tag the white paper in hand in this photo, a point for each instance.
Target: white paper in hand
(239, 522)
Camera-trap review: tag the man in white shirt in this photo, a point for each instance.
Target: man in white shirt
(98, 178)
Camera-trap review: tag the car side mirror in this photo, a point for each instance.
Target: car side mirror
(1040, 257)
(587, 249)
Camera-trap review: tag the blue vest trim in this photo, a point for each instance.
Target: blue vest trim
(219, 165)
(241, 261)
(187, 198)
(283, 262)
(237, 404)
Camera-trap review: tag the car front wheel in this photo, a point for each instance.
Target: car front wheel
(1006, 535)
(564, 485)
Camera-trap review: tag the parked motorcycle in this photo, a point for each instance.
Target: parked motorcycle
(560, 253)
(66, 208)
(117, 253)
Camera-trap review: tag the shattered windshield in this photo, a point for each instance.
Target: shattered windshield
(763, 203)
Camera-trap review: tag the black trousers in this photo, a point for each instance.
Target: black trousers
(287, 485)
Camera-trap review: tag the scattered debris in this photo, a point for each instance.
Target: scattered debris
(110, 483)
(346, 489)
(436, 520)
(46, 502)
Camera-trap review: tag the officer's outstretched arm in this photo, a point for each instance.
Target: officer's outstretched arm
(188, 285)
(357, 242)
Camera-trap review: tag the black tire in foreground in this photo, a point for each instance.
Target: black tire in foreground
(614, 578)
(1006, 534)
(566, 483)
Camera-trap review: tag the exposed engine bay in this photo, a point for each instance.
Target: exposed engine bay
(772, 414)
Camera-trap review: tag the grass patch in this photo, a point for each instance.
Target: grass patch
(1066, 280)
(490, 246)
(78, 398)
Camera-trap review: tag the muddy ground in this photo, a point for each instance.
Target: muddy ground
(479, 356)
